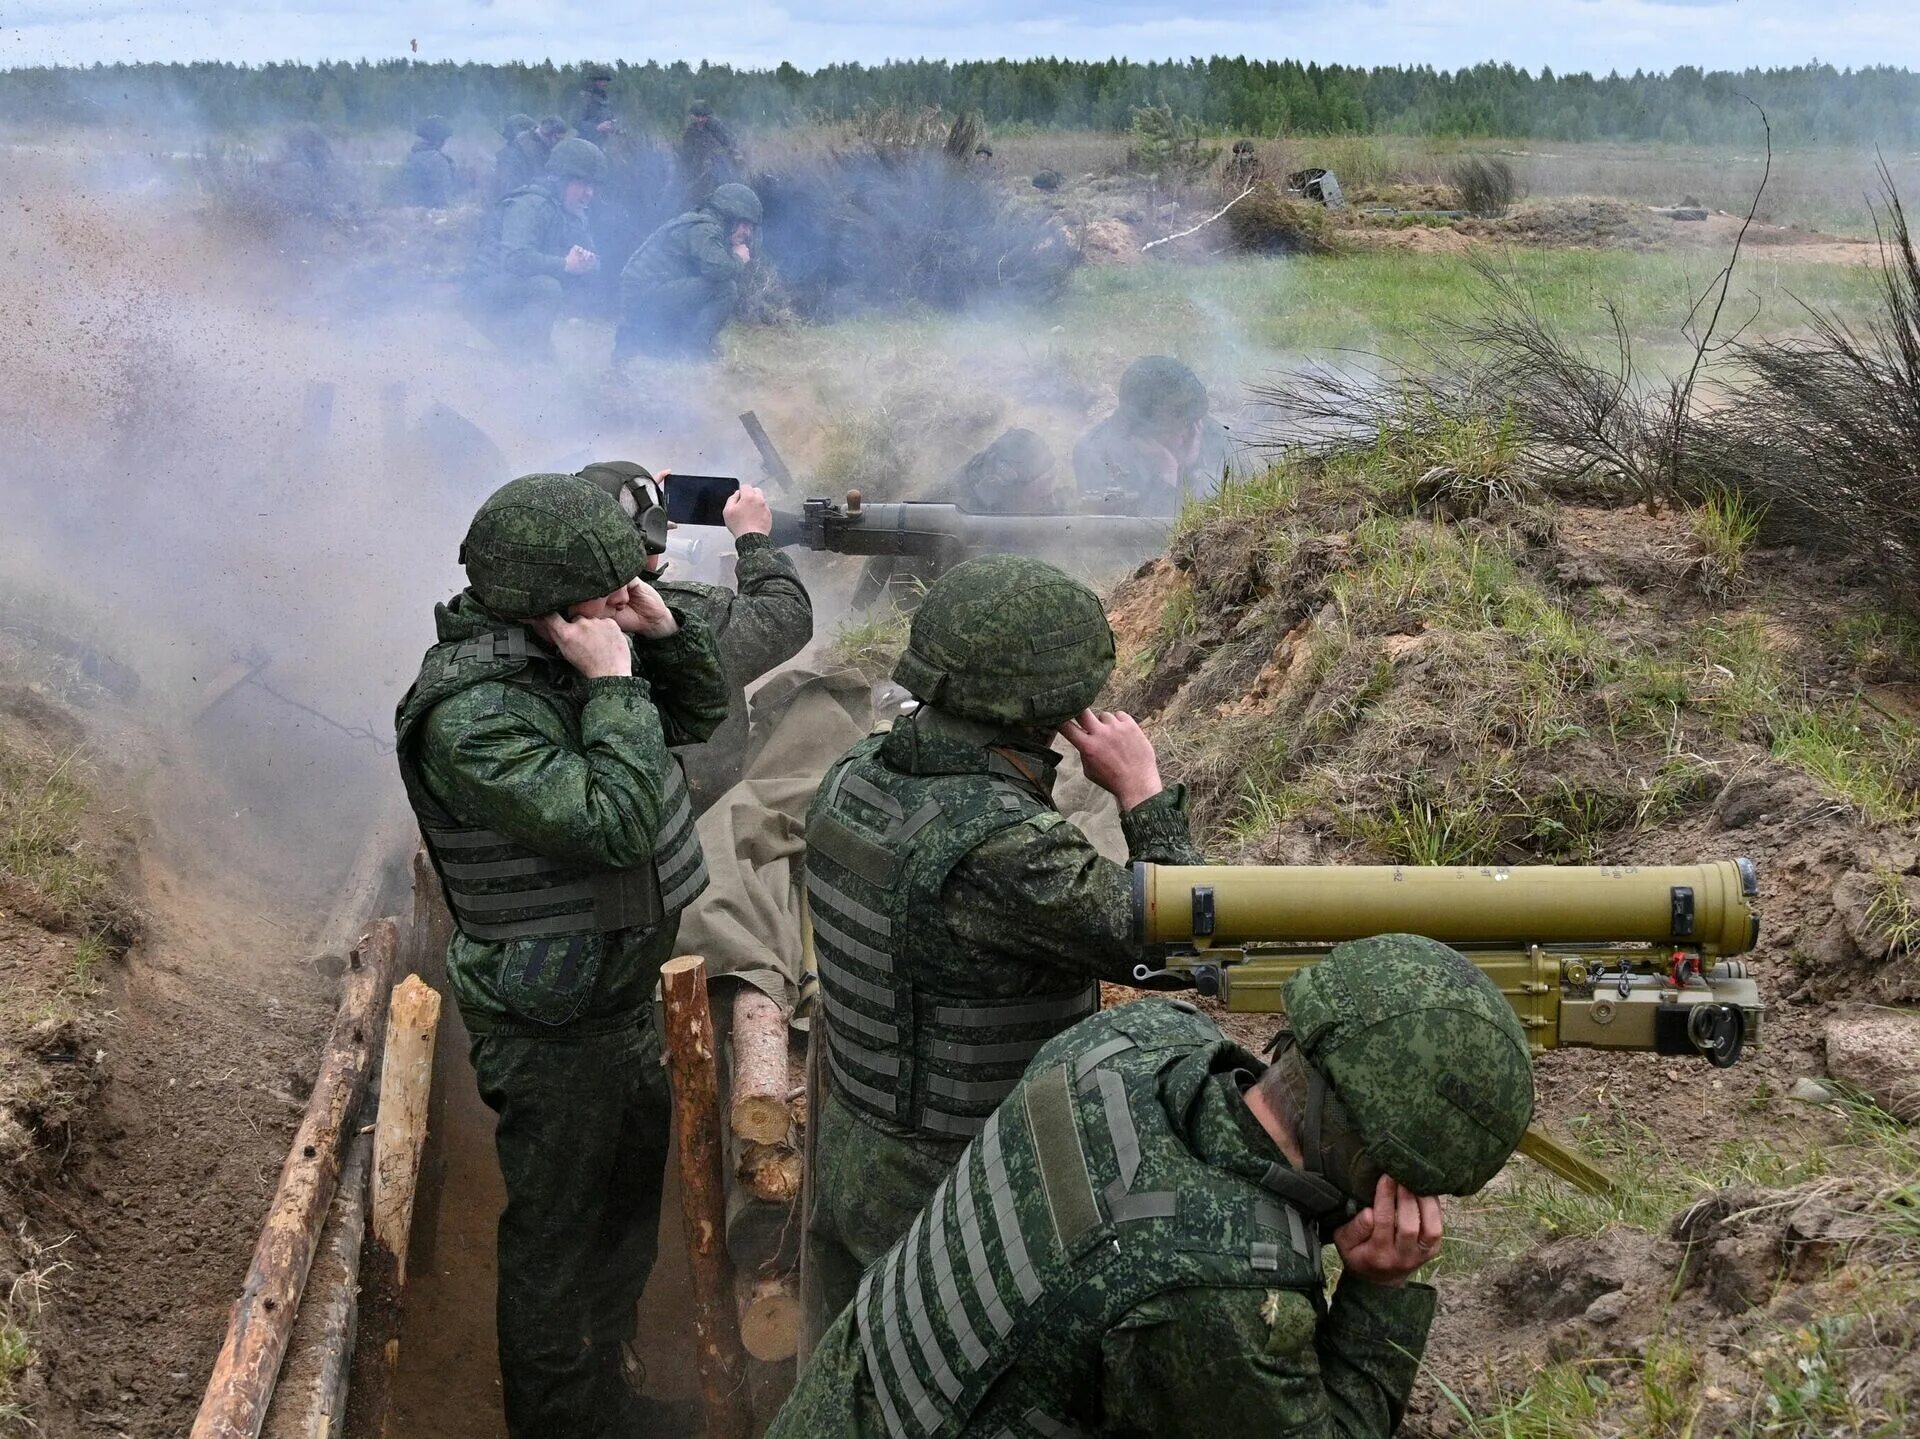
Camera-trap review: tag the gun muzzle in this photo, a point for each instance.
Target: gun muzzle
(1708, 908)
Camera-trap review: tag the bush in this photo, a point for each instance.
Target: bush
(1268, 223)
(1486, 184)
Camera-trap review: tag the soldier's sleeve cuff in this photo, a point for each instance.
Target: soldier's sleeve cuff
(691, 640)
(628, 689)
(1158, 824)
(1399, 1315)
(751, 543)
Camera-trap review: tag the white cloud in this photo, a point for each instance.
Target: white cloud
(1593, 35)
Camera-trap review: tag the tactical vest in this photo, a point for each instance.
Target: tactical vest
(498, 888)
(880, 845)
(1078, 1202)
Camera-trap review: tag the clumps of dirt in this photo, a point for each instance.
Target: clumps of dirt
(1721, 1320)
(1267, 222)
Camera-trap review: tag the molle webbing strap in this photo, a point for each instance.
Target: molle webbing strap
(862, 1303)
(990, 1091)
(874, 863)
(866, 1093)
(878, 1030)
(867, 918)
(1122, 1203)
(916, 1300)
(1077, 1005)
(940, 1242)
(975, 1247)
(680, 862)
(938, 1121)
(869, 794)
(836, 977)
(867, 954)
(502, 644)
(1006, 1218)
(1063, 1163)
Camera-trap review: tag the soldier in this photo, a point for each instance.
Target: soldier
(682, 284)
(427, 176)
(762, 623)
(595, 119)
(1012, 476)
(537, 246)
(959, 921)
(1133, 1244)
(1159, 446)
(709, 156)
(522, 160)
(534, 748)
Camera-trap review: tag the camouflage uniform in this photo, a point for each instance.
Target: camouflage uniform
(1125, 1249)
(518, 280)
(958, 920)
(681, 285)
(763, 622)
(595, 109)
(522, 160)
(1114, 461)
(558, 822)
(427, 177)
(708, 156)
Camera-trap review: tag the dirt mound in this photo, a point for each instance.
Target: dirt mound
(156, 1036)
(1415, 656)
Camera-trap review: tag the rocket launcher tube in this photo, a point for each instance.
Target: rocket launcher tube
(1706, 908)
(1608, 957)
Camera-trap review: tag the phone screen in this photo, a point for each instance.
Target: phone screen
(699, 499)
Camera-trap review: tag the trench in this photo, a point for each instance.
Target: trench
(446, 1383)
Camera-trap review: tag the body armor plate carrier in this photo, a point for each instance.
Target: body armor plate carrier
(902, 1048)
(1079, 1201)
(498, 888)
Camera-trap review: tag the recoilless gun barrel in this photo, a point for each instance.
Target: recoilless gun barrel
(947, 534)
(1605, 957)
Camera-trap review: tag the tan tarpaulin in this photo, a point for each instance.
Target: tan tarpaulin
(747, 923)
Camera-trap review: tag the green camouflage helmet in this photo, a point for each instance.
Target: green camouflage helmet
(516, 124)
(577, 160)
(735, 203)
(433, 129)
(1158, 388)
(1008, 640)
(543, 542)
(1422, 1070)
(635, 490)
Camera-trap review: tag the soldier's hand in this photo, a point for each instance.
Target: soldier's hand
(645, 613)
(598, 648)
(581, 261)
(1116, 754)
(742, 253)
(1389, 1239)
(747, 512)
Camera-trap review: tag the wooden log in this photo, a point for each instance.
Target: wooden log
(377, 867)
(222, 685)
(310, 1400)
(400, 1131)
(761, 1237)
(770, 1172)
(759, 1112)
(432, 923)
(235, 1403)
(700, 1145)
(770, 1316)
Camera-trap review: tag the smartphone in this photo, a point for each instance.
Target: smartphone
(699, 499)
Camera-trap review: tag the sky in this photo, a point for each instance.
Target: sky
(1594, 35)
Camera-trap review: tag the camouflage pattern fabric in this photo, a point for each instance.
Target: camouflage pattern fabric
(1115, 470)
(1024, 913)
(761, 624)
(573, 768)
(427, 177)
(679, 287)
(595, 108)
(708, 158)
(1010, 641)
(521, 161)
(582, 1141)
(545, 541)
(532, 233)
(1379, 1019)
(1111, 1257)
(564, 1049)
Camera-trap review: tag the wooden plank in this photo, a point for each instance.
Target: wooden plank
(235, 1403)
(310, 1399)
(700, 1145)
(400, 1131)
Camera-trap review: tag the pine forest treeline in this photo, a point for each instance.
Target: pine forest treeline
(1807, 104)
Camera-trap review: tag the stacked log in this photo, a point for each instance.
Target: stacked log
(766, 1118)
